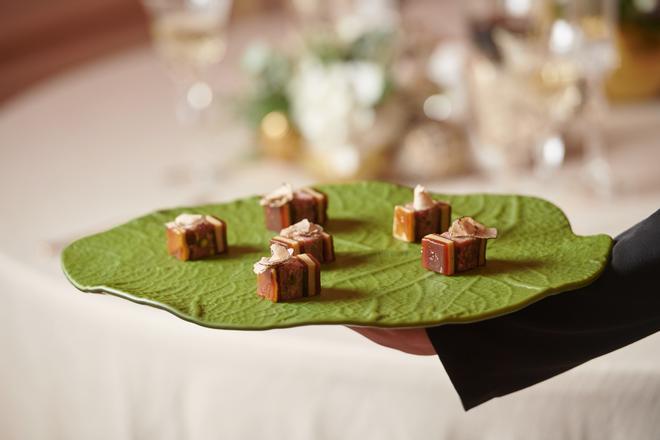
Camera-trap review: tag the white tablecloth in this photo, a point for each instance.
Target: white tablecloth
(99, 146)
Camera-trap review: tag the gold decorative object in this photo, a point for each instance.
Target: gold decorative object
(279, 139)
(638, 74)
(430, 150)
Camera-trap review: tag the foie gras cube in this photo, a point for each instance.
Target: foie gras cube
(285, 276)
(196, 236)
(461, 248)
(447, 256)
(284, 207)
(423, 216)
(306, 237)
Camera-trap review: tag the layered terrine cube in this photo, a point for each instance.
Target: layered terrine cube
(306, 237)
(456, 250)
(285, 276)
(423, 216)
(284, 207)
(196, 236)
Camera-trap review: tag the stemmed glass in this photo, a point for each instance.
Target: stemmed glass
(538, 67)
(524, 86)
(190, 37)
(596, 53)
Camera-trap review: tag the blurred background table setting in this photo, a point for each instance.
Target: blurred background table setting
(110, 109)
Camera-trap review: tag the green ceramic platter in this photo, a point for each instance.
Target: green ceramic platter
(376, 280)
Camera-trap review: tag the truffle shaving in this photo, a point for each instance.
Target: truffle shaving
(468, 227)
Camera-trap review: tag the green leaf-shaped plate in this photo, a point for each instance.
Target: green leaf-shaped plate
(376, 280)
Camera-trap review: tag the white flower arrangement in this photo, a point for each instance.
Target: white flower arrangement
(335, 94)
(330, 102)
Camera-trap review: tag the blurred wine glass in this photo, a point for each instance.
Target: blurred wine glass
(538, 66)
(596, 23)
(524, 84)
(190, 37)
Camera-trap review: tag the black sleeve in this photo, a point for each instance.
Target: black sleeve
(495, 357)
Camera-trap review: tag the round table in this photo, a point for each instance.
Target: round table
(100, 145)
